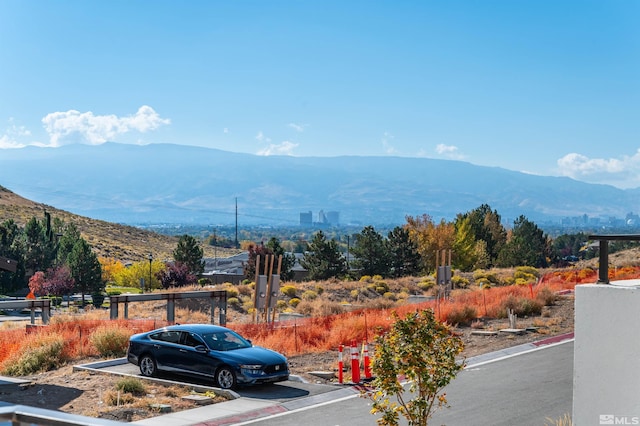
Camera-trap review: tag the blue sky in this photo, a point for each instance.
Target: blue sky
(545, 87)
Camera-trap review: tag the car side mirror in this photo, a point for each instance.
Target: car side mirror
(201, 348)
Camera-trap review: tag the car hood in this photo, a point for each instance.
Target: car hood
(255, 355)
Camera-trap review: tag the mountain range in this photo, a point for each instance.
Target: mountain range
(165, 183)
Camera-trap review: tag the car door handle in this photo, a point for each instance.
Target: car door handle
(183, 350)
(156, 346)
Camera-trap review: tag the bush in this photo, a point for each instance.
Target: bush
(389, 295)
(131, 385)
(459, 282)
(381, 287)
(97, 299)
(294, 302)
(288, 290)
(44, 354)
(546, 296)
(114, 398)
(309, 295)
(480, 275)
(244, 290)
(527, 270)
(234, 302)
(426, 284)
(462, 316)
(231, 292)
(110, 341)
(522, 306)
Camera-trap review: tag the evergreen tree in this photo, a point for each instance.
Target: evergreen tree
(404, 257)
(85, 269)
(12, 247)
(324, 260)
(371, 254)
(39, 247)
(70, 236)
(527, 246)
(189, 252)
(288, 259)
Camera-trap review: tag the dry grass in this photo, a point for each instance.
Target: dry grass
(108, 240)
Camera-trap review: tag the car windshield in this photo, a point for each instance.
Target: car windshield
(225, 341)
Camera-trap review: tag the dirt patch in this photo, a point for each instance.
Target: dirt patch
(95, 395)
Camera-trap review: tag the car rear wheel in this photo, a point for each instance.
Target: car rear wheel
(226, 378)
(148, 366)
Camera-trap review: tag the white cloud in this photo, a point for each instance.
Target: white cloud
(7, 142)
(75, 127)
(449, 151)
(622, 172)
(285, 148)
(15, 136)
(298, 127)
(262, 138)
(387, 138)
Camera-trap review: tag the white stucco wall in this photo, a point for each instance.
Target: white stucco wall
(606, 378)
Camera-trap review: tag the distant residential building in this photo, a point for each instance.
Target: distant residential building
(306, 219)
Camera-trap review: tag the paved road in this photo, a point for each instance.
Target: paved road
(521, 390)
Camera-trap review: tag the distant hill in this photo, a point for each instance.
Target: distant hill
(162, 183)
(125, 243)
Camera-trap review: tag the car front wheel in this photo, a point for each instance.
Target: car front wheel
(148, 366)
(226, 378)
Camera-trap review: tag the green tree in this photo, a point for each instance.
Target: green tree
(85, 269)
(189, 252)
(39, 247)
(568, 245)
(288, 259)
(486, 225)
(69, 238)
(527, 246)
(12, 247)
(422, 350)
(324, 260)
(403, 252)
(464, 245)
(370, 252)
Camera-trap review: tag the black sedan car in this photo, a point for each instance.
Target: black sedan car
(208, 351)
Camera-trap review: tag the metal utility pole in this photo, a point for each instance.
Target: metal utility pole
(237, 222)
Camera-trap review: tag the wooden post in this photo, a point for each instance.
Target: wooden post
(273, 318)
(255, 296)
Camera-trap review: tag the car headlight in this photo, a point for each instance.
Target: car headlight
(251, 368)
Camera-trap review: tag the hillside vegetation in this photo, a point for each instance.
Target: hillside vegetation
(110, 240)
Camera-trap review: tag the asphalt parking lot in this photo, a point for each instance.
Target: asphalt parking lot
(280, 392)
